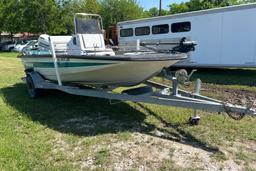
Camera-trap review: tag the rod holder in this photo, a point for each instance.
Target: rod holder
(138, 45)
(55, 61)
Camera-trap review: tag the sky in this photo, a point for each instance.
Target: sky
(147, 4)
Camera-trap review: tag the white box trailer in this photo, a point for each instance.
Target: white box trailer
(226, 37)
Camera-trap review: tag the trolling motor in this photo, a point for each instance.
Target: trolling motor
(184, 46)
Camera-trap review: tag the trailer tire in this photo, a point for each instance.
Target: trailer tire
(11, 49)
(32, 91)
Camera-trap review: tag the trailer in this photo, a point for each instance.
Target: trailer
(225, 36)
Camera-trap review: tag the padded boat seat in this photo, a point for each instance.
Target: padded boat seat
(93, 41)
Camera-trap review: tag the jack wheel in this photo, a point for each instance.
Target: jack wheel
(194, 120)
(32, 91)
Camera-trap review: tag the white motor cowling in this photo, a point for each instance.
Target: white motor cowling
(60, 43)
(43, 42)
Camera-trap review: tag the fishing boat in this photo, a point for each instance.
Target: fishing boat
(84, 58)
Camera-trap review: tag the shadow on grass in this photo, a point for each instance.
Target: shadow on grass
(227, 76)
(179, 135)
(86, 116)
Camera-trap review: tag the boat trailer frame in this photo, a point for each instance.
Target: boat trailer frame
(154, 93)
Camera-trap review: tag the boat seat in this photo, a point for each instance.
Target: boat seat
(93, 41)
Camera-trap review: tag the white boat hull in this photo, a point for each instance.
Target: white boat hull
(98, 72)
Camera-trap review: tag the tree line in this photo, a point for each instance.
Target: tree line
(56, 16)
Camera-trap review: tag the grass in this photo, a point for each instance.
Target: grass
(102, 157)
(233, 76)
(64, 132)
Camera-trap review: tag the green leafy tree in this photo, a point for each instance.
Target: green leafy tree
(11, 16)
(41, 16)
(92, 6)
(67, 11)
(114, 11)
(178, 8)
(154, 12)
(194, 5)
(165, 12)
(69, 8)
(1, 19)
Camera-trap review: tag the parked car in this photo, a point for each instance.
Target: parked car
(7, 46)
(19, 45)
(32, 44)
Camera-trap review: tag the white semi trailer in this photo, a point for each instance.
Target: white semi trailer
(226, 37)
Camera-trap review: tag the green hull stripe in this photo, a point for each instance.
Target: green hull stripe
(65, 64)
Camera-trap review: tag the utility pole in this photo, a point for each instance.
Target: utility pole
(160, 7)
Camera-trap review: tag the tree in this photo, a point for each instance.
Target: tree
(165, 12)
(69, 8)
(92, 6)
(41, 16)
(114, 11)
(154, 12)
(178, 8)
(11, 16)
(1, 19)
(194, 5)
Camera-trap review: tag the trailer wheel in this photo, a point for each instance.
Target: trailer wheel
(32, 91)
(194, 121)
(11, 49)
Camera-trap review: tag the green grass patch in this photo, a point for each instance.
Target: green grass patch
(8, 54)
(59, 131)
(169, 165)
(233, 77)
(102, 157)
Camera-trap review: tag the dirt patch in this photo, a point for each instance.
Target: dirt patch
(244, 153)
(145, 152)
(142, 152)
(234, 96)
